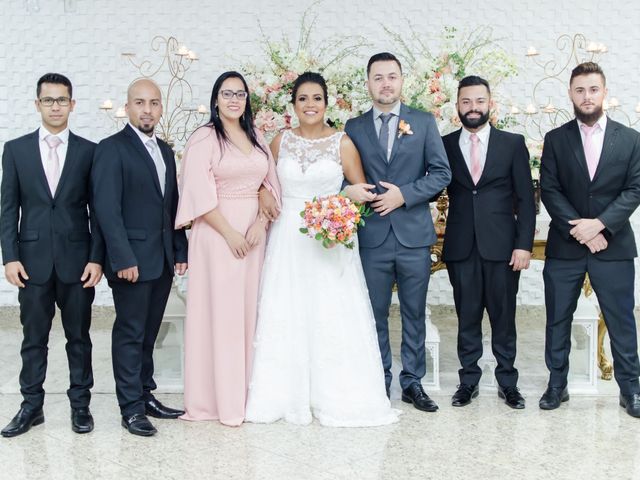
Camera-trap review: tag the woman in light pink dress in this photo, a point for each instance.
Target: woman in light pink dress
(225, 163)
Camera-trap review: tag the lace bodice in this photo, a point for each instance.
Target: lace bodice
(309, 167)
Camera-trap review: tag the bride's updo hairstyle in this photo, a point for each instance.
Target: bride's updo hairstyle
(309, 77)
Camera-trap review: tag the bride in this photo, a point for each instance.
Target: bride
(316, 348)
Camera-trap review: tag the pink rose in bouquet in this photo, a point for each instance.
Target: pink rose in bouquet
(333, 220)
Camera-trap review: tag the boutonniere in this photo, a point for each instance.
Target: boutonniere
(404, 128)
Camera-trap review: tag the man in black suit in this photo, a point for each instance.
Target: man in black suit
(136, 197)
(590, 178)
(488, 239)
(51, 250)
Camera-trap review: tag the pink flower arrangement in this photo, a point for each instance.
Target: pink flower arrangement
(266, 122)
(333, 220)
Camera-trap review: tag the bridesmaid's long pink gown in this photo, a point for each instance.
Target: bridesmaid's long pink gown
(222, 290)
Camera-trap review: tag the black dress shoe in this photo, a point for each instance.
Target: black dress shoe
(154, 408)
(464, 395)
(511, 396)
(631, 403)
(23, 421)
(138, 424)
(81, 420)
(416, 395)
(553, 397)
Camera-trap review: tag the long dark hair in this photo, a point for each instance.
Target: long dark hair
(246, 120)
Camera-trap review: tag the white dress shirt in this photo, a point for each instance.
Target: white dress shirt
(44, 146)
(158, 161)
(393, 124)
(483, 144)
(597, 136)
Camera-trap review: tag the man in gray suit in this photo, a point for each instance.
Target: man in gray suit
(403, 156)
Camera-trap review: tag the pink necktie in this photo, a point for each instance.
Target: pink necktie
(476, 167)
(590, 148)
(53, 162)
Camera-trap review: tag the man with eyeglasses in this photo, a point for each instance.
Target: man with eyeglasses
(51, 249)
(136, 193)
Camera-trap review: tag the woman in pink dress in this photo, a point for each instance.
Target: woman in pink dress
(225, 163)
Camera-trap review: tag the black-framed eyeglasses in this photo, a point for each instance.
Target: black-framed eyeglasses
(49, 101)
(228, 94)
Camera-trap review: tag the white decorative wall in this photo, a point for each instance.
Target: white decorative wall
(84, 39)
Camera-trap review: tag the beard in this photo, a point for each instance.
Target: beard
(588, 118)
(387, 100)
(146, 128)
(474, 122)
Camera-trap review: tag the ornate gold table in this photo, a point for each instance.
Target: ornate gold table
(605, 366)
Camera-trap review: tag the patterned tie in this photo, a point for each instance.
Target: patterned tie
(476, 166)
(158, 161)
(590, 148)
(53, 163)
(383, 138)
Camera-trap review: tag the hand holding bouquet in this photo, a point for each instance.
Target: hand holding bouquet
(333, 220)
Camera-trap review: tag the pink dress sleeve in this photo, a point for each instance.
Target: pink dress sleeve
(270, 182)
(198, 193)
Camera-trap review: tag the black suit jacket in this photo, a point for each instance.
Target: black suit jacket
(135, 218)
(498, 213)
(44, 231)
(612, 196)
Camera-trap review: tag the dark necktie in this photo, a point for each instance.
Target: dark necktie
(383, 138)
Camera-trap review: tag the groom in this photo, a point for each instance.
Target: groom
(402, 154)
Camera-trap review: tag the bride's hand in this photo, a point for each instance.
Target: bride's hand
(359, 192)
(256, 233)
(268, 205)
(237, 243)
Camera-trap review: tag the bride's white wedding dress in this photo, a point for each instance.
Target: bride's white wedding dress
(316, 348)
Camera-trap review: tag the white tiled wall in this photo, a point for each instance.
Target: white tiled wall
(84, 39)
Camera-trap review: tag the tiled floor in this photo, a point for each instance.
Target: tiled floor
(590, 437)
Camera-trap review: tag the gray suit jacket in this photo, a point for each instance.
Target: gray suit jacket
(418, 165)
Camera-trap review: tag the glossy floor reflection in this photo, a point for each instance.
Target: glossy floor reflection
(590, 437)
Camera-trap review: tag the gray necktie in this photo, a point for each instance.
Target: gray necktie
(158, 161)
(383, 138)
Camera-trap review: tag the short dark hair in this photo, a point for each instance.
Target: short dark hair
(310, 77)
(587, 68)
(56, 78)
(383, 57)
(472, 81)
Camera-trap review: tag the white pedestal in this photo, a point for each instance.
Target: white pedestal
(168, 354)
(584, 347)
(432, 378)
(487, 363)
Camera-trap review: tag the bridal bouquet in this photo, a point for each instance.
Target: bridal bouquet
(333, 220)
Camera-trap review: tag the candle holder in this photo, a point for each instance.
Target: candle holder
(181, 116)
(542, 113)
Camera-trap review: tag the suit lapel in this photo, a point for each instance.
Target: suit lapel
(458, 159)
(405, 114)
(492, 156)
(167, 171)
(69, 162)
(370, 130)
(35, 160)
(144, 154)
(575, 142)
(608, 144)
